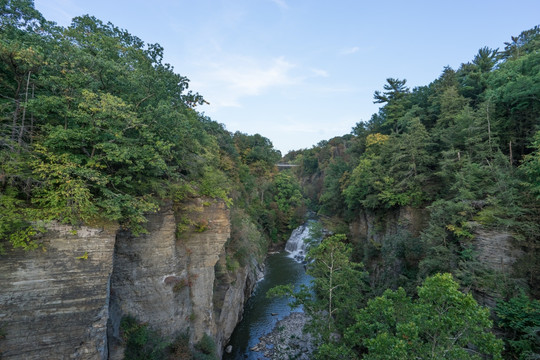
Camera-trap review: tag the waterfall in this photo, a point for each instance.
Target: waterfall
(296, 245)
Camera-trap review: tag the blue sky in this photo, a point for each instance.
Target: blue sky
(301, 71)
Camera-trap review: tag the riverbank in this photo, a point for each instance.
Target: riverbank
(287, 340)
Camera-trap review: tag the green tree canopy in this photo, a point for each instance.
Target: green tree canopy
(442, 323)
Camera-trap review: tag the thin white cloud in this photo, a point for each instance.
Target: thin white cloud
(350, 51)
(340, 125)
(226, 82)
(319, 72)
(281, 3)
(298, 128)
(252, 78)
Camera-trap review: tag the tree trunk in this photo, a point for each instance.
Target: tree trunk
(21, 130)
(16, 111)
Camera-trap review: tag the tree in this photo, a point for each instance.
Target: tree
(395, 89)
(526, 42)
(513, 96)
(531, 167)
(338, 287)
(289, 200)
(332, 202)
(408, 160)
(395, 100)
(520, 318)
(338, 281)
(473, 76)
(443, 323)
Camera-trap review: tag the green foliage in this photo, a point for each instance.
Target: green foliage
(339, 284)
(206, 349)
(331, 199)
(399, 258)
(215, 184)
(247, 241)
(289, 200)
(441, 323)
(180, 348)
(334, 351)
(142, 343)
(393, 169)
(337, 289)
(96, 128)
(520, 317)
(447, 226)
(232, 264)
(14, 225)
(465, 147)
(531, 166)
(257, 151)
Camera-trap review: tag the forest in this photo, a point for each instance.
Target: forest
(96, 129)
(465, 148)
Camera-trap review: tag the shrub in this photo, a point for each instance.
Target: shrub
(206, 348)
(142, 343)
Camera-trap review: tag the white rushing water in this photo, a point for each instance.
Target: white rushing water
(296, 245)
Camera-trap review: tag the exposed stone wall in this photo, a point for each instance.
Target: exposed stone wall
(53, 305)
(169, 281)
(231, 291)
(204, 247)
(56, 306)
(496, 249)
(369, 226)
(146, 270)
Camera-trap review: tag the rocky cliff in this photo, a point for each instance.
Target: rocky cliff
(168, 281)
(56, 305)
(387, 256)
(370, 226)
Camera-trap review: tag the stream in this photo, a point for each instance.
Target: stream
(261, 313)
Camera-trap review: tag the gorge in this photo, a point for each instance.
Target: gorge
(133, 226)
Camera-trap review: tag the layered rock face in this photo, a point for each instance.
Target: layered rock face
(146, 269)
(368, 226)
(168, 281)
(67, 302)
(496, 249)
(231, 291)
(54, 304)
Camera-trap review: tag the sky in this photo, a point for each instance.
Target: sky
(302, 71)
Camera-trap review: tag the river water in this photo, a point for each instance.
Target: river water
(261, 313)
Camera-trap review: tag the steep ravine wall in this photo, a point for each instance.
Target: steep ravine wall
(168, 281)
(52, 304)
(368, 226)
(496, 250)
(56, 306)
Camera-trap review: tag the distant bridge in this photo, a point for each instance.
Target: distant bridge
(285, 166)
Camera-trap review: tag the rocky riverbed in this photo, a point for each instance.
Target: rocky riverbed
(287, 340)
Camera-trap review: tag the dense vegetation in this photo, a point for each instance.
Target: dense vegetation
(439, 322)
(464, 151)
(143, 343)
(96, 129)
